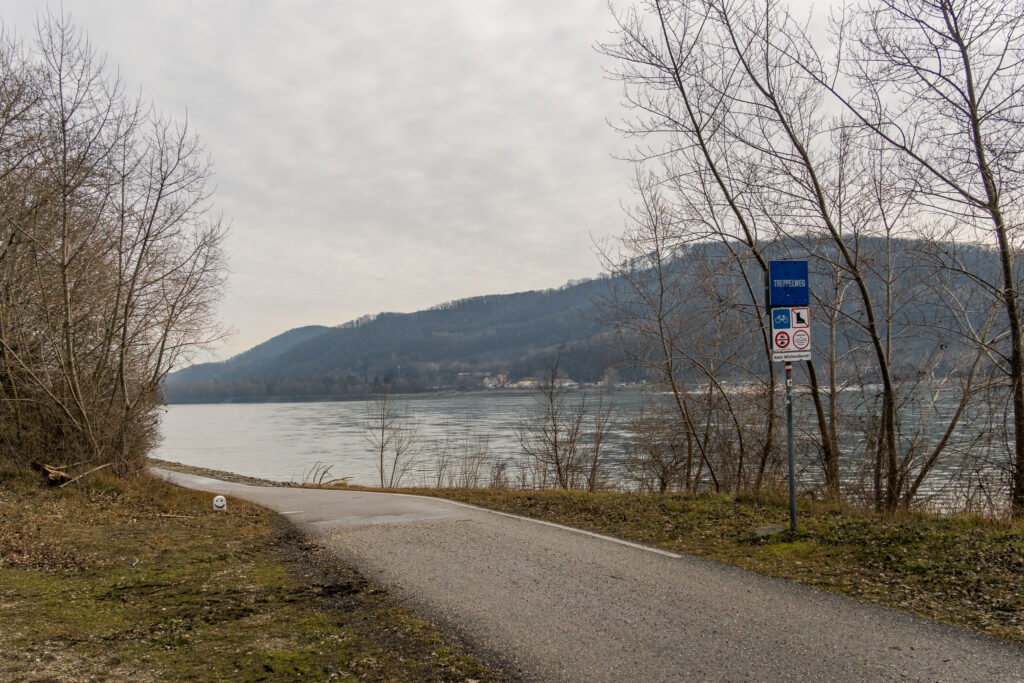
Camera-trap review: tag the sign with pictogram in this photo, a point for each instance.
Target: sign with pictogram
(787, 295)
(791, 333)
(801, 340)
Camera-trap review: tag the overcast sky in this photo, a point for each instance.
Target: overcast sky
(382, 156)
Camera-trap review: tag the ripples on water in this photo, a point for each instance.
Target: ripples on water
(284, 441)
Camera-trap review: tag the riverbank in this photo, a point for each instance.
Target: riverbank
(963, 570)
(426, 394)
(144, 581)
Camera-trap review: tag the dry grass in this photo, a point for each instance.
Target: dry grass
(143, 581)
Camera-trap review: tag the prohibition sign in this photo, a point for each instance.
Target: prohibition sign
(782, 340)
(801, 340)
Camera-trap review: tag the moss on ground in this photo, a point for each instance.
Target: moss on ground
(143, 581)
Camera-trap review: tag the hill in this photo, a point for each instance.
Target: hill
(451, 346)
(455, 345)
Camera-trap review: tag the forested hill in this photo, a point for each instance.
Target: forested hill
(457, 344)
(451, 346)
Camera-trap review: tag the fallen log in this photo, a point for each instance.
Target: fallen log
(55, 476)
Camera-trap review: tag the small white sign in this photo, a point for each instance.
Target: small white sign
(220, 503)
(790, 356)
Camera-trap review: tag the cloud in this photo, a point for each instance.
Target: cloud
(382, 156)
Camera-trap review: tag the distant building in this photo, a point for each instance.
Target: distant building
(533, 383)
(495, 382)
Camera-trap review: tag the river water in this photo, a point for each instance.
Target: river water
(286, 441)
(290, 441)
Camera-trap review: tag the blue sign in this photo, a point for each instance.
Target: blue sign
(780, 319)
(788, 283)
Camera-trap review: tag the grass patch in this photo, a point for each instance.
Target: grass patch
(961, 570)
(143, 581)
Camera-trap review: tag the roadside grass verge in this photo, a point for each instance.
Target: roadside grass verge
(139, 580)
(966, 571)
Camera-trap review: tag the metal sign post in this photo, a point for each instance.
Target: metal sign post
(789, 447)
(789, 299)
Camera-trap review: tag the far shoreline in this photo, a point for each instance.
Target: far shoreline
(447, 393)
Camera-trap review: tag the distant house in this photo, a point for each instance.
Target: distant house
(495, 382)
(533, 383)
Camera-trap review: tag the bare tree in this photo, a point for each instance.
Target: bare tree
(551, 435)
(681, 82)
(942, 83)
(595, 454)
(650, 315)
(564, 439)
(752, 157)
(459, 460)
(111, 264)
(393, 437)
(661, 456)
(443, 461)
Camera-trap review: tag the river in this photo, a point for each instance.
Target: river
(298, 441)
(287, 441)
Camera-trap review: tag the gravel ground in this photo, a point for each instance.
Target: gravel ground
(553, 603)
(220, 475)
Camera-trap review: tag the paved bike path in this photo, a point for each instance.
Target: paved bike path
(554, 603)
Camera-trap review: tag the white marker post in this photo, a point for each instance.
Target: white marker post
(789, 297)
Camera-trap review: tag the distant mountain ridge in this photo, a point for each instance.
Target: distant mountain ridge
(450, 346)
(275, 346)
(455, 345)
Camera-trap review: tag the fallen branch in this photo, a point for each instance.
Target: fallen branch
(72, 481)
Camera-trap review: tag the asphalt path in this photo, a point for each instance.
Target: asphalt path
(553, 603)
